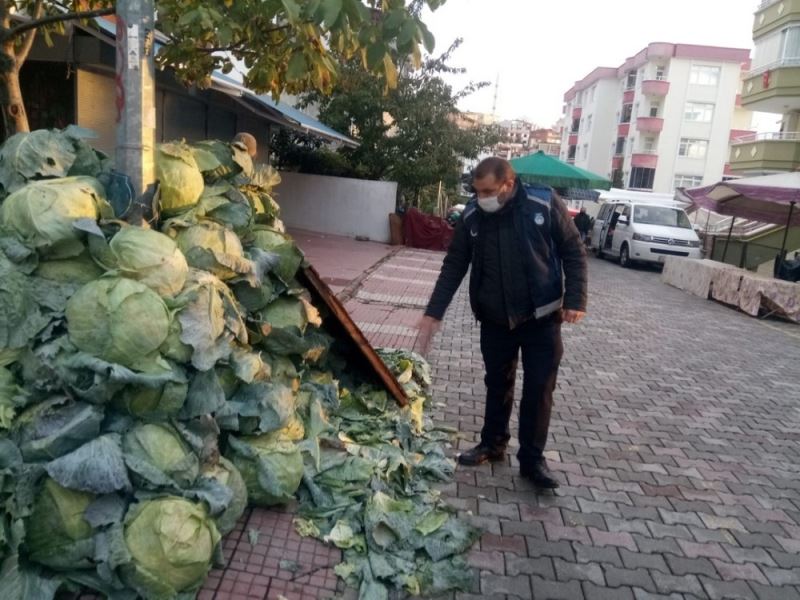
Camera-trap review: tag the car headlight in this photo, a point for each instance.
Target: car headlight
(694, 244)
(642, 238)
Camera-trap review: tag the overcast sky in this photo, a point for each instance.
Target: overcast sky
(539, 48)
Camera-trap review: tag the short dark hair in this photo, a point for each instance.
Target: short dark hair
(494, 165)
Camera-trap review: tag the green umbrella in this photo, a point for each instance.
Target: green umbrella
(548, 170)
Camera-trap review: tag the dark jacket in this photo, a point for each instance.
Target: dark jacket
(549, 246)
(583, 222)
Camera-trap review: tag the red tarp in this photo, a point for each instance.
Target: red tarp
(426, 231)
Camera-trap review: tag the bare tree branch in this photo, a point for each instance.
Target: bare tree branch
(50, 19)
(27, 41)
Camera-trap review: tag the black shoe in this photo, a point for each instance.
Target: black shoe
(539, 474)
(481, 454)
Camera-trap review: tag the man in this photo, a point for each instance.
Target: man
(518, 243)
(583, 223)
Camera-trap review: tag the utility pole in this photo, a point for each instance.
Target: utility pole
(135, 101)
(494, 101)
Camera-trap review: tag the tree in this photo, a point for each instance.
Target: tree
(410, 133)
(285, 45)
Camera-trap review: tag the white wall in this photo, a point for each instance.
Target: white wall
(336, 205)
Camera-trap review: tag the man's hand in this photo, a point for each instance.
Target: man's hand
(572, 316)
(428, 326)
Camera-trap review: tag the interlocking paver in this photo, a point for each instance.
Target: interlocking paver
(675, 435)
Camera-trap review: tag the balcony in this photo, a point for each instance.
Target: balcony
(628, 96)
(774, 14)
(577, 112)
(650, 124)
(766, 152)
(623, 129)
(617, 161)
(646, 159)
(655, 87)
(774, 88)
(573, 139)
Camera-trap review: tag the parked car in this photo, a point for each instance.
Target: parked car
(634, 231)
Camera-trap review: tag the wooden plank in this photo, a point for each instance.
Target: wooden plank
(344, 323)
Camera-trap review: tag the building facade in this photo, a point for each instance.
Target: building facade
(521, 137)
(663, 119)
(773, 86)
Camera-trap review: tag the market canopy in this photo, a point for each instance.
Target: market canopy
(545, 169)
(768, 199)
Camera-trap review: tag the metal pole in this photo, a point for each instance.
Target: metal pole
(135, 98)
(786, 231)
(727, 241)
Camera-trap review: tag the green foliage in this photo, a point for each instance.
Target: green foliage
(285, 45)
(408, 134)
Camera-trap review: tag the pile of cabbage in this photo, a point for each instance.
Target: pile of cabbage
(156, 380)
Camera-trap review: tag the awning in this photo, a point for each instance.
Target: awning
(548, 170)
(264, 106)
(294, 118)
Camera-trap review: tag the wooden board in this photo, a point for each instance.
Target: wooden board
(309, 277)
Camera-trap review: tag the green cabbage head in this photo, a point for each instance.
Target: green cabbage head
(171, 542)
(271, 468)
(41, 214)
(79, 269)
(57, 534)
(180, 180)
(213, 248)
(153, 403)
(118, 320)
(150, 257)
(228, 475)
(158, 455)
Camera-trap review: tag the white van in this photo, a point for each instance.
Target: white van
(634, 231)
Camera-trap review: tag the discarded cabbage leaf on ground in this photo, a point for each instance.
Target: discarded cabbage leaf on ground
(377, 499)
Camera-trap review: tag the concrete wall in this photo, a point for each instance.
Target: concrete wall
(336, 205)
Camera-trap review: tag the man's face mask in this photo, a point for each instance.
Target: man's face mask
(491, 198)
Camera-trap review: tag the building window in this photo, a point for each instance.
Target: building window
(649, 145)
(576, 125)
(627, 112)
(688, 181)
(620, 147)
(642, 178)
(691, 148)
(790, 44)
(654, 108)
(704, 75)
(571, 152)
(630, 80)
(661, 73)
(631, 145)
(585, 151)
(698, 112)
(589, 123)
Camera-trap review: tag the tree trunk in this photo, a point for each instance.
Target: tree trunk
(15, 118)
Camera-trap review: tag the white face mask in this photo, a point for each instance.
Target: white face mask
(490, 204)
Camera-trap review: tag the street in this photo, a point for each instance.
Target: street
(675, 435)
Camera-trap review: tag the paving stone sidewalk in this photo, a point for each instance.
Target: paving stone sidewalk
(676, 434)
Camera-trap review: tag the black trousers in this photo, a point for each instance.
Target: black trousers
(542, 349)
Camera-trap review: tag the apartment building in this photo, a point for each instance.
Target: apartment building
(663, 119)
(772, 86)
(521, 137)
